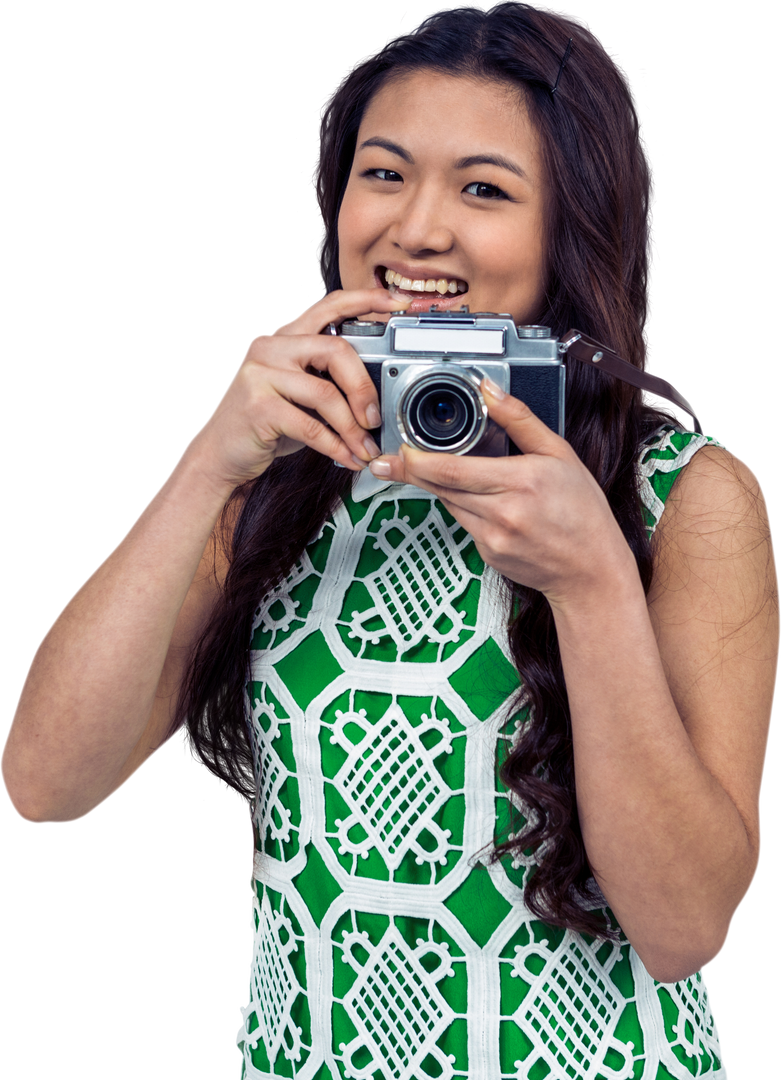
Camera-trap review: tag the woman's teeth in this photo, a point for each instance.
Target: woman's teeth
(439, 285)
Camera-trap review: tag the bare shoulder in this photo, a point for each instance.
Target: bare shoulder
(714, 549)
(715, 491)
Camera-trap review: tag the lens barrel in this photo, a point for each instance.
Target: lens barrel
(443, 412)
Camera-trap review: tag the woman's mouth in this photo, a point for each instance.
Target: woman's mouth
(442, 285)
(443, 292)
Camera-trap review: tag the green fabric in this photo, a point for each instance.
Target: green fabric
(382, 702)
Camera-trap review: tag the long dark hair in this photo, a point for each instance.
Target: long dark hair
(596, 246)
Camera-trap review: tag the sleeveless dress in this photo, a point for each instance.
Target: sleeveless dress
(386, 947)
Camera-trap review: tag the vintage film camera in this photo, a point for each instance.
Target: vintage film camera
(427, 369)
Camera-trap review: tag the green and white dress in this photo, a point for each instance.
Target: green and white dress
(386, 947)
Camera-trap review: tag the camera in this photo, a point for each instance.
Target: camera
(427, 369)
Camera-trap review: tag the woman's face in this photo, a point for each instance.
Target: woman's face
(445, 197)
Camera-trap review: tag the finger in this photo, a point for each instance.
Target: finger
(330, 355)
(329, 405)
(447, 475)
(340, 305)
(411, 465)
(293, 427)
(334, 309)
(526, 430)
(343, 365)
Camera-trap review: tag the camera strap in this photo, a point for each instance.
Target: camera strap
(588, 351)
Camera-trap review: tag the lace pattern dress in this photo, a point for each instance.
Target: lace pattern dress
(386, 947)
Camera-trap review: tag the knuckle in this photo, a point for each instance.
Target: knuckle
(258, 349)
(265, 352)
(250, 383)
(449, 473)
(332, 401)
(506, 527)
(505, 544)
(327, 391)
(347, 351)
(509, 514)
(351, 368)
(506, 530)
(312, 428)
(494, 539)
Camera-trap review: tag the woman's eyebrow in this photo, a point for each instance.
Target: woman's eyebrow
(463, 163)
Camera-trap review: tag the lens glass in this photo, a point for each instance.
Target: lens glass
(441, 415)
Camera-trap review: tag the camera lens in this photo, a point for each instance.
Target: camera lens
(442, 412)
(440, 415)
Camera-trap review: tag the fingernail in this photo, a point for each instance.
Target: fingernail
(358, 461)
(493, 389)
(372, 449)
(380, 468)
(373, 418)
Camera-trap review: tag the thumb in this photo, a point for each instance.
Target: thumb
(526, 430)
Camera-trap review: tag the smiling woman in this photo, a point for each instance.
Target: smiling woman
(483, 709)
(427, 210)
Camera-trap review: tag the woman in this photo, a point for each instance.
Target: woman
(533, 202)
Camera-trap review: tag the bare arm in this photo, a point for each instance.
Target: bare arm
(99, 696)
(670, 705)
(103, 687)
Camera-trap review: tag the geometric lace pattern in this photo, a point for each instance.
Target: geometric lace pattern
(396, 1006)
(412, 590)
(391, 784)
(387, 946)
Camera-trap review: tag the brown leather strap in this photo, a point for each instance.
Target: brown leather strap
(589, 351)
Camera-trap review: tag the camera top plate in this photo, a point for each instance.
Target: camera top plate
(460, 335)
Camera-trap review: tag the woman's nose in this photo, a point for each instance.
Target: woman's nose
(422, 226)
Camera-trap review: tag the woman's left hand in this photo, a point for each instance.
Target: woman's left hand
(539, 517)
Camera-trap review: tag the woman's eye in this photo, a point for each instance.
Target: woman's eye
(384, 174)
(484, 191)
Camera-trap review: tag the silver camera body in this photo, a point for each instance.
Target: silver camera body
(427, 369)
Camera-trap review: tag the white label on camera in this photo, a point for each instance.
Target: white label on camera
(419, 339)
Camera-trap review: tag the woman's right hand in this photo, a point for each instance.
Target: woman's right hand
(280, 401)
